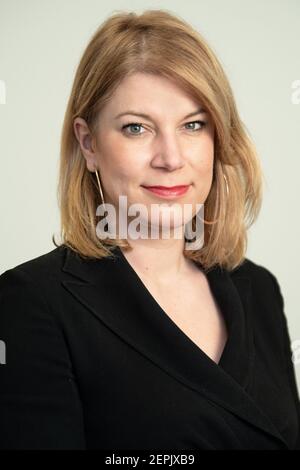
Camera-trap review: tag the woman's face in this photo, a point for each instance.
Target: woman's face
(167, 148)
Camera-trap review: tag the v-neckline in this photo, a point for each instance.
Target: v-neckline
(112, 291)
(226, 313)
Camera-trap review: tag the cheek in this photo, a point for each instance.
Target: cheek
(203, 159)
(120, 162)
(203, 164)
(124, 175)
(129, 169)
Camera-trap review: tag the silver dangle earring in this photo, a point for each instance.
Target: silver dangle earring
(101, 233)
(100, 187)
(206, 221)
(226, 181)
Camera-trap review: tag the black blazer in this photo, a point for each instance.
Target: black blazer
(93, 362)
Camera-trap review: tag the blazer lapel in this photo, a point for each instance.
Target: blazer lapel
(112, 291)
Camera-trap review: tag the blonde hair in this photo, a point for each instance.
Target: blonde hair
(157, 42)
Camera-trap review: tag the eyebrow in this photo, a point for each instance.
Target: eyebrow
(146, 116)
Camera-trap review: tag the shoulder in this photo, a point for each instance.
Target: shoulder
(265, 300)
(250, 268)
(31, 285)
(259, 286)
(45, 264)
(263, 281)
(44, 267)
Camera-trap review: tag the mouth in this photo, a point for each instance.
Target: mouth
(168, 191)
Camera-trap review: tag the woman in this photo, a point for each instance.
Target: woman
(149, 342)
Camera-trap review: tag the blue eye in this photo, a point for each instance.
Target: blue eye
(132, 124)
(139, 125)
(202, 123)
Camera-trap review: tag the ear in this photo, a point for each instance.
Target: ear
(86, 142)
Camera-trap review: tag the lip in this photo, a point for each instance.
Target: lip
(168, 191)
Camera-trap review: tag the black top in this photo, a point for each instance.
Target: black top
(93, 362)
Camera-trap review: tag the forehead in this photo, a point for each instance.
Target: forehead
(151, 94)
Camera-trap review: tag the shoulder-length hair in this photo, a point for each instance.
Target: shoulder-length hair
(157, 42)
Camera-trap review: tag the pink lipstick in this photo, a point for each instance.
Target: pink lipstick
(168, 191)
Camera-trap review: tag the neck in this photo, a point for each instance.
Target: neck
(161, 260)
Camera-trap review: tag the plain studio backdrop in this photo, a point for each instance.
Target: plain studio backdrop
(258, 44)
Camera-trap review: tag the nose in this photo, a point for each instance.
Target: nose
(167, 152)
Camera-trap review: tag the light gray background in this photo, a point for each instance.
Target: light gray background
(258, 43)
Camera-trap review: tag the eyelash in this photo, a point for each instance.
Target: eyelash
(203, 124)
